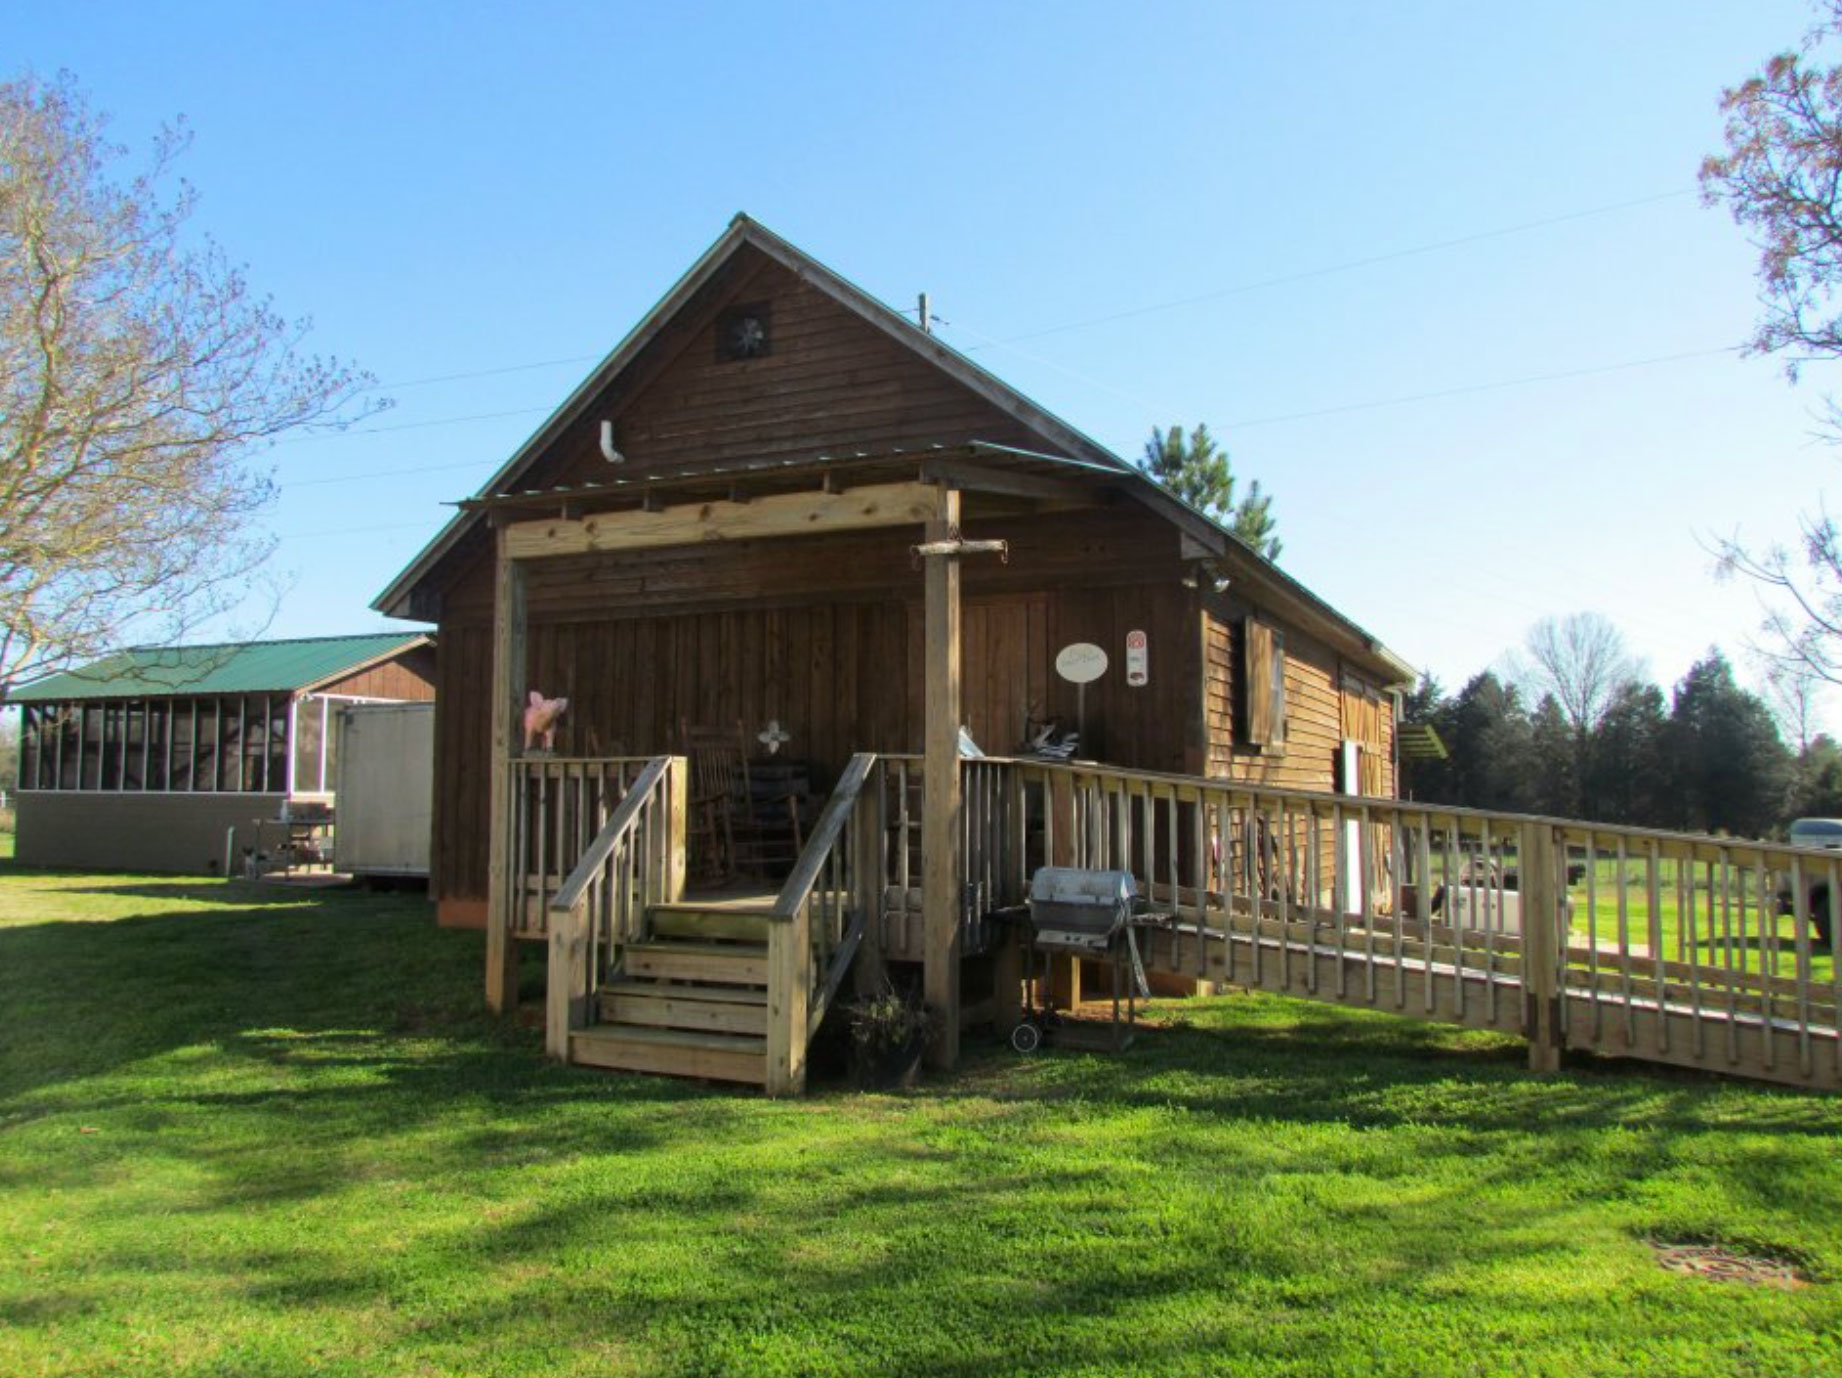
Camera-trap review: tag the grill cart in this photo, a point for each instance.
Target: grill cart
(1084, 914)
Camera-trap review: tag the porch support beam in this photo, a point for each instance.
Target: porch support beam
(782, 514)
(941, 812)
(508, 691)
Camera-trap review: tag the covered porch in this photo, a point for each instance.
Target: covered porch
(843, 623)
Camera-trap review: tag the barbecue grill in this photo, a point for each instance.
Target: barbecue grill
(1074, 910)
(1086, 914)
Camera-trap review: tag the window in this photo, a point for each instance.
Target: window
(134, 746)
(309, 733)
(1264, 675)
(204, 748)
(159, 721)
(90, 772)
(277, 778)
(28, 748)
(255, 743)
(157, 746)
(184, 714)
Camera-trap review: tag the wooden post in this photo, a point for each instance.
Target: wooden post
(1544, 921)
(1196, 738)
(1014, 888)
(789, 1001)
(869, 837)
(677, 812)
(566, 985)
(508, 689)
(941, 863)
(1059, 799)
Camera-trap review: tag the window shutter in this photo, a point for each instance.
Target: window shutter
(1264, 663)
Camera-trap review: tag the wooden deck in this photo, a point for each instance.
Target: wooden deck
(1668, 948)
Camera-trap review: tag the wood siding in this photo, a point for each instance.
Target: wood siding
(409, 677)
(740, 632)
(1326, 703)
(830, 384)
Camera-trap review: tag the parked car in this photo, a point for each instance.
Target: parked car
(1825, 833)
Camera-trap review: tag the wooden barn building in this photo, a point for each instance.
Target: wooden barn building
(143, 760)
(774, 505)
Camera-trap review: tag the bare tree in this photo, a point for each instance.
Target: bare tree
(1800, 592)
(138, 377)
(1582, 660)
(1793, 693)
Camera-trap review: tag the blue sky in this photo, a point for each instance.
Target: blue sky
(1347, 236)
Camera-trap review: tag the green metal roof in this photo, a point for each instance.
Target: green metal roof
(250, 667)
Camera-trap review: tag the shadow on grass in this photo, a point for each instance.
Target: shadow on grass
(243, 894)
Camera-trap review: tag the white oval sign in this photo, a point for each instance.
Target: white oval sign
(1081, 663)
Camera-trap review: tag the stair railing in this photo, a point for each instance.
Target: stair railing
(820, 918)
(635, 861)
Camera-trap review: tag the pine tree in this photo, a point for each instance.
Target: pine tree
(1725, 744)
(1195, 468)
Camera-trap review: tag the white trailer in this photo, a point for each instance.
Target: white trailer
(386, 788)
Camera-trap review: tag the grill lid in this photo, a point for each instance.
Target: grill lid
(1077, 885)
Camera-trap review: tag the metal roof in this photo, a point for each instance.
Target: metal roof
(250, 667)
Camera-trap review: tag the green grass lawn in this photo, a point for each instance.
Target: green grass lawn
(251, 1133)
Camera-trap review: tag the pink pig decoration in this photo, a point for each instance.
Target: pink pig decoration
(540, 720)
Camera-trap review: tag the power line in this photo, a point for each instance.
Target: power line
(1281, 281)
(1307, 274)
(352, 531)
(292, 484)
(483, 373)
(413, 425)
(1481, 387)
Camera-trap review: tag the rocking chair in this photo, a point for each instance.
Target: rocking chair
(736, 829)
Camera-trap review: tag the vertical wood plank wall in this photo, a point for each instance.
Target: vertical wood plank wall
(410, 677)
(824, 634)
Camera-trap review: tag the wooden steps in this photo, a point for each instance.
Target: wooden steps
(691, 1000)
(705, 1008)
(709, 923)
(672, 1052)
(721, 964)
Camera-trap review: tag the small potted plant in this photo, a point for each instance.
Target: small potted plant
(889, 1032)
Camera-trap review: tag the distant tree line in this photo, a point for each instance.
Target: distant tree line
(1709, 757)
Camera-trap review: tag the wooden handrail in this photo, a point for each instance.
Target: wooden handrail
(1575, 831)
(805, 874)
(798, 996)
(620, 822)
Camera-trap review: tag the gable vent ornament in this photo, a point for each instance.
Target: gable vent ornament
(743, 332)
